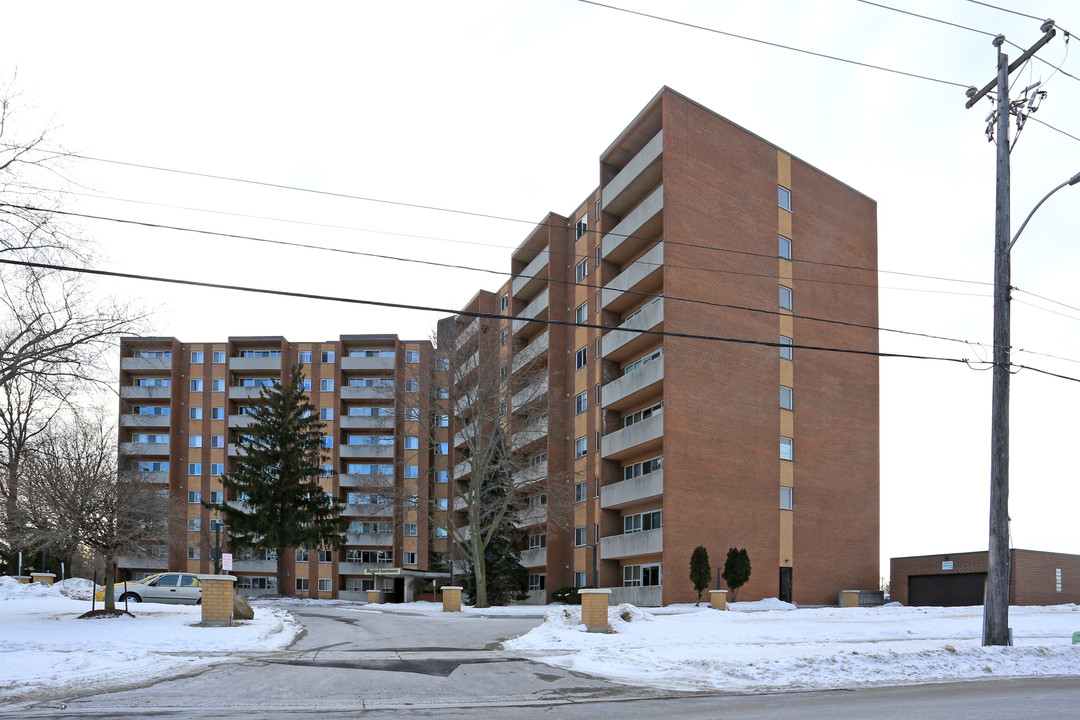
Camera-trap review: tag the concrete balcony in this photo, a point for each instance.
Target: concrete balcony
(255, 566)
(368, 510)
(645, 275)
(141, 421)
(138, 392)
(537, 429)
(153, 476)
(642, 172)
(532, 278)
(530, 394)
(240, 421)
(534, 350)
(463, 470)
(468, 333)
(358, 568)
(652, 596)
(366, 422)
(649, 542)
(142, 448)
(366, 451)
(143, 562)
(533, 516)
(635, 490)
(365, 481)
(534, 558)
(377, 539)
(372, 364)
(633, 389)
(146, 365)
(621, 344)
(531, 474)
(240, 392)
(257, 364)
(235, 451)
(536, 310)
(348, 392)
(639, 437)
(239, 505)
(460, 504)
(466, 435)
(637, 229)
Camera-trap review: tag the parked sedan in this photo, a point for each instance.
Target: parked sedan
(176, 588)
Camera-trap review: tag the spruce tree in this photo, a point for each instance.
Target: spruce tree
(700, 570)
(736, 570)
(276, 478)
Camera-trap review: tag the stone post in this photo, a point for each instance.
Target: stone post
(43, 578)
(451, 598)
(374, 596)
(594, 607)
(718, 599)
(217, 600)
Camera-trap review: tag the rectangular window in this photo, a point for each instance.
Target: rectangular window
(1057, 579)
(194, 524)
(301, 583)
(194, 469)
(193, 552)
(785, 348)
(596, 487)
(218, 357)
(326, 385)
(439, 532)
(301, 555)
(412, 414)
(443, 392)
(196, 357)
(217, 441)
(504, 302)
(326, 556)
(326, 413)
(581, 403)
(194, 441)
(217, 469)
(442, 421)
(581, 491)
(196, 385)
(412, 385)
(503, 337)
(787, 398)
(327, 441)
(581, 314)
(787, 498)
(581, 447)
(327, 470)
(195, 413)
(640, 522)
(326, 585)
(642, 575)
(579, 578)
(783, 197)
(537, 541)
(785, 297)
(409, 529)
(581, 358)
(785, 247)
(787, 448)
(303, 356)
(442, 476)
(327, 356)
(412, 356)
(582, 226)
(217, 385)
(217, 413)
(217, 496)
(643, 414)
(582, 270)
(537, 581)
(217, 525)
(412, 471)
(441, 504)
(408, 558)
(442, 448)
(412, 443)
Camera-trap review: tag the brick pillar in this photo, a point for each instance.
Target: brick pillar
(718, 599)
(43, 578)
(594, 607)
(374, 596)
(217, 600)
(24, 579)
(451, 598)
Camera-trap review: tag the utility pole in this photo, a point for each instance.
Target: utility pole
(996, 607)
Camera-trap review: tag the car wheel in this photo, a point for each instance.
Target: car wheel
(130, 597)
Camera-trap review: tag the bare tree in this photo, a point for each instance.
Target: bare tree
(73, 496)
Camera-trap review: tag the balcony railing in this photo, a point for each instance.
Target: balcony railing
(144, 448)
(537, 429)
(644, 274)
(378, 539)
(368, 510)
(263, 364)
(635, 387)
(636, 229)
(530, 352)
(647, 433)
(365, 422)
(534, 558)
(532, 278)
(531, 474)
(133, 420)
(622, 343)
(366, 451)
(141, 364)
(140, 392)
(648, 542)
(621, 494)
(361, 481)
(367, 363)
(535, 310)
(640, 173)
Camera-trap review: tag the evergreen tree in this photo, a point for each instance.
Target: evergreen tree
(736, 570)
(700, 570)
(276, 477)
(501, 578)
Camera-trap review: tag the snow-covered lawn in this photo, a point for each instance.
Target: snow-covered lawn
(44, 647)
(773, 649)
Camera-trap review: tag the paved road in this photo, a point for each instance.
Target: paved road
(381, 665)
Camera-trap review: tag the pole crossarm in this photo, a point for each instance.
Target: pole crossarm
(975, 96)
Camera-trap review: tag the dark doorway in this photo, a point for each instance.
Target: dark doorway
(946, 590)
(398, 596)
(785, 584)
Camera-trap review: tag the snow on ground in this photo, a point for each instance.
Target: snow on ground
(761, 649)
(45, 647)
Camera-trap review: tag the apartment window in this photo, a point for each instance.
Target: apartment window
(412, 385)
(217, 496)
(194, 469)
(196, 357)
(196, 385)
(785, 297)
(580, 536)
(504, 302)
(409, 529)
(596, 440)
(217, 469)
(327, 356)
(596, 486)
(640, 522)
(302, 584)
(785, 247)
(217, 357)
(193, 552)
(408, 558)
(442, 448)
(787, 498)
(217, 385)
(326, 385)
(301, 555)
(217, 525)
(152, 382)
(304, 356)
(642, 575)
(579, 578)
(581, 314)
(1057, 579)
(439, 532)
(503, 372)
(443, 392)
(785, 348)
(581, 270)
(412, 471)
(581, 357)
(581, 447)
(503, 337)
(442, 363)
(441, 504)
(194, 441)
(442, 476)
(327, 441)
(582, 226)
(787, 398)
(502, 408)
(537, 581)
(412, 443)
(581, 402)
(327, 471)
(412, 356)
(195, 413)
(581, 491)
(217, 413)
(598, 212)
(326, 556)
(326, 585)
(536, 501)
(787, 448)
(784, 197)
(412, 414)
(217, 441)
(194, 524)
(442, 420)
(537, 541)
(643, 414)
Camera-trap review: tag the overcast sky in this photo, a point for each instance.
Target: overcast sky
(503, 108)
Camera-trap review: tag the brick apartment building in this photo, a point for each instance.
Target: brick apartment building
(653, 435)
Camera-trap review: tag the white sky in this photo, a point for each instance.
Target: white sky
(504, 108)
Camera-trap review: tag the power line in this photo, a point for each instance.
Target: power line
(469, 268)
(772, 44)
(927, 17)
(1014, 12)
(1043, 122)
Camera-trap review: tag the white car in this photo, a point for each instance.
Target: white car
(171, 587)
